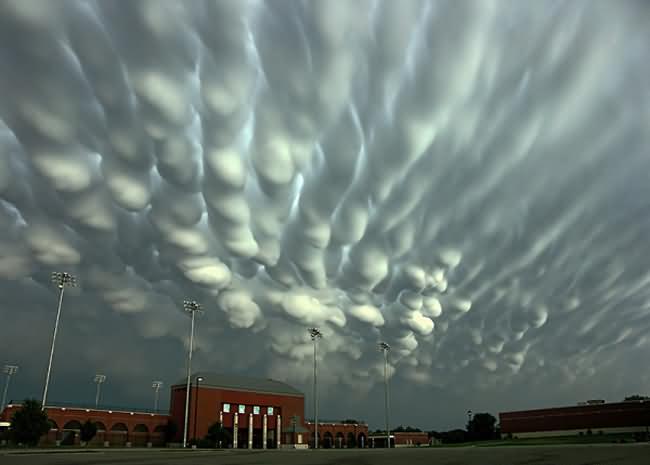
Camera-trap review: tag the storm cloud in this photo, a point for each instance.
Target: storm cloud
(466, 180)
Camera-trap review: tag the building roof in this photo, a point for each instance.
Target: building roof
(242, 383)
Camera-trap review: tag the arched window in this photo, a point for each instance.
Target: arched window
(52, 424)
(72, 425)
(119, 427)
(351, 440)
(140, 428)
(328, 440)
(100, 426)
(340, 440)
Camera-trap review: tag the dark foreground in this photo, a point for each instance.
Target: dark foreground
(546, 455)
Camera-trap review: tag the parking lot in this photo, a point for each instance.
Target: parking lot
(539, 455)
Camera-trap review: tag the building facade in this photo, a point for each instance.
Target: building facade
(256, 413)
(339, 435)
(589, 418)
(120, 428)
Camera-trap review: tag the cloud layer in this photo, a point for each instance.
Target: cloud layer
(465, 180)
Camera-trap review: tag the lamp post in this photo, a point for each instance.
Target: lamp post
(156, 385)
(196, 402)
(315, 335)
(191, 307)
(98, 380)
(385, 348)
(8, 370)
(62, 280)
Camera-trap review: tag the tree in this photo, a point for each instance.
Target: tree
(88, 431)
(350, 421)
(454, 436)
(482, 427)
(636, 397)
(170, 431)
(217, 435)
(29, 423)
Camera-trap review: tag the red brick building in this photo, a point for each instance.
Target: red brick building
(599, 418)
(114, 427)
(336, 434)
(257, 413)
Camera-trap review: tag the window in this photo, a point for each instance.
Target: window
(256, 410)
(269, 410)
(242, 409)
(226, 408)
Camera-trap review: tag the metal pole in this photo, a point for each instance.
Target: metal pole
(189, 374)
(196, 404)
(191, 307)
(385, 348)
(386, 396)
(315, 335)
(56, 329)
(315, 398)
(9, 371)
(99, 386)
(156, 385)
(4, 393)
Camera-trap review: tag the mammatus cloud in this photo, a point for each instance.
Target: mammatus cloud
(465, 180)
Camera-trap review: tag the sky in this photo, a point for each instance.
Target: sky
(468, 181)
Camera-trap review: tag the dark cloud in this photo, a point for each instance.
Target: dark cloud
(466, 180)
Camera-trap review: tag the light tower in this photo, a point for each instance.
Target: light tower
(192, 307)
(385, 348)
(8, 370)
(156, 385)
(61, 280)
(98, 380)
(315, 335)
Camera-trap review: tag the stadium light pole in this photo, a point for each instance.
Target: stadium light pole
(385, 348)
(98, 380)
(156, 385)
(315, 336)
(8, 370)
(196, 402)
(62, 280)
(191, 307)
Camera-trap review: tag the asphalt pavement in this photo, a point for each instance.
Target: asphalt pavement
(632, 454)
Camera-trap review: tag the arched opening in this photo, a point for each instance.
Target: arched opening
(72, 425)
(350, 441)
(320, 441)
(158, 436)
(340, 440)
(119, 427)
(119, 434)
(361, 440)
(140, 428)
(140, 435)
(101, 427)
(53, 425)
(70, 432)
(328, 440)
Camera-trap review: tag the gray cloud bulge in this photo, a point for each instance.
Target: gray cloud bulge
(466, 180)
